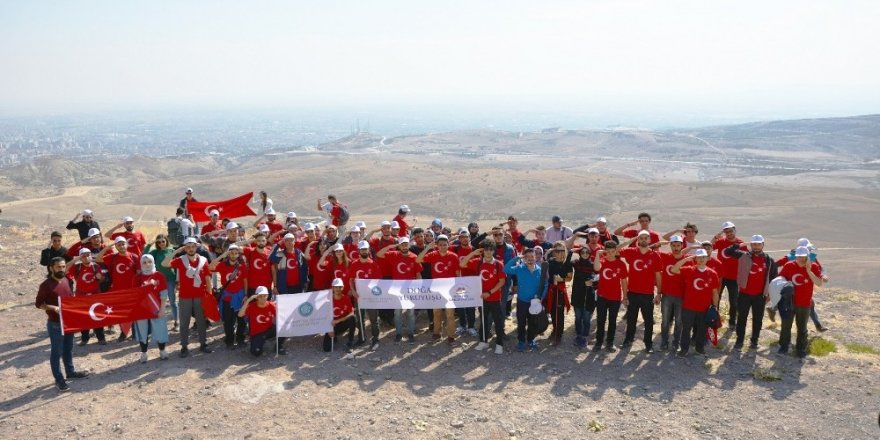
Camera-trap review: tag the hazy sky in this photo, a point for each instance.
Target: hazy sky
(724, 58)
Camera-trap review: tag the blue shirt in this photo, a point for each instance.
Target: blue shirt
(529, 282)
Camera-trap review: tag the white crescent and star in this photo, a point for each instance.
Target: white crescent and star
(636, 265)
(669, 270)
(259, 263)
(88, 277)
(754, 266)
(439, 267)
(360, 274)
(794, 279)
(107, 311)
(211, 207)
(289, 261)
(699, 284)
(484, 275)
(605, 274)
(262, 319)
(123, 268)
(339, 273)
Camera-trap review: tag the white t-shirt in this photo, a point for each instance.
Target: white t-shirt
(187, 228)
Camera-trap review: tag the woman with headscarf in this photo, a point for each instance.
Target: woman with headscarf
(158, 326)
(159, 249)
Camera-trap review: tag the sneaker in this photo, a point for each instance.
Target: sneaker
(822, 329)
(499, 349)
(626, 344)
(163, 355)
(374, 345)
(610, 348)
(700, 351)
(520, 346)
(102, 342)
(122, 337)
(738, 346)
(435, 337)
(801, 354)
(184, 352)
(682, 353)
(473, 332)
(143, 358)
(481, 346)
(78, 375)
(649, 349)
(664, 346)
(753, 346)
(411, 338)
(62, 386)
(205, 349)
(398, 338)
(597, 347)
(83, 342)
(783, 349)
(174, 327)
(459, 331)
(533, 346)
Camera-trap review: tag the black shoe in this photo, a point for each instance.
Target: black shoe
(359, 342)
(783, 349)
(597, 347)
(398, 338)
(102, 342)
(738, 346)
(700, 351)
(802, 354)
(83, 342)
(664, 346)
(649, 349)
(122, 337)
(184, 352)
(62, 386)
(411, 339)
(626, 344)
(204, 349)
(682, 353)
(610, 348)
(230, 346)
(78, 375)
(753, 346)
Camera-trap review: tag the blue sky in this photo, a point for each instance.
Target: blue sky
(743, 59)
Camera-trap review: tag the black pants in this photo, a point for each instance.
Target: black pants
(695, 322)
(345, 326)
(746, 303)
(99, 333)
(557, 316)
(467, 317)
(606, 310)
(259, 340)
(732, 295)
(233, 325)
(801, 316)
(373, 316)
(639, 302)
(525, 327)
(492, 313)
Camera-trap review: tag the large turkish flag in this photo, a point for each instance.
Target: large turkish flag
(232, 208)
(116, 307)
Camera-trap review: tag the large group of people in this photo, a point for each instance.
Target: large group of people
(535, 277)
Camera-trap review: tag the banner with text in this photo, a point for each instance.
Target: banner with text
(304, 314)
(440, 293)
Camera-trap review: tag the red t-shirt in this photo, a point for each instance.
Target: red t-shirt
(757, 273)
(351, 249)
(729, 265)
(144, 280)
(187, 289)
(259, 269)
(342, 306)
(260, 319)
(84, 275)
(514, 235)
(322, 276)
(402, 267)
(698, 288)
(233, 285)
(714, 264)
(643, 270)
(610, 275)
(136, 241)
(211, 227)
(672, 284)
(122, 268)
(442, 266)
(490, 274)
(379, 243)
(364, 270)
(630, 233)
(803, 285)
(274, 227)
(292, 267)
(340, 271)
(404, 228)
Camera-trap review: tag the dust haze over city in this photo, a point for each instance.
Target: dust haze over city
(764, 114)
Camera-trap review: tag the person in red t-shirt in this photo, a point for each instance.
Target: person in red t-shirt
(290, 270)
(613, 276)
(644, 279)
(400, 218)
(158, 326)
(729, 265)
(321, 274)
(377, 243)
(86, 276)
(271, 221)
(333, 208)
(754, 272)
(402, 266)
(233, 270)
(364, 268)
(672, 291)
(804, 276)
(701, 287)
(644, 222)
(261, 314)
(444, 264)
(482, 262)
(259, 271)
(343, 317)
(135, 239)
(123, 267)
(194, 283)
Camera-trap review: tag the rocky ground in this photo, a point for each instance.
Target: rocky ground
(428, 390)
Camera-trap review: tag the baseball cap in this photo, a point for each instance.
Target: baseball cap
(363, 244)
(337, 282)
(84, 251)
(262, 290)
(127, 219)
(362, 225)
(804, 242)
(644, 232)
(601, 220)
(120, 239)
(555, 219)
(404, 208)
(727, 225)
(403, 240)
(442, 237)
(310, 227)
(395, 225)
(437, 222)
(592, 231)
(355, 229)
(94, 231)
(264, 228)
(757, 239)
(385, 223)
(289, 236)
(269, 211)
(291, 214)
(87, 212)
(190, 240)
(189, 190)
(337, 247)
(233, 247)
(802, 251)
(706, 243)
(231, 225)
(700, 253)
(675, 239)
(214, 212)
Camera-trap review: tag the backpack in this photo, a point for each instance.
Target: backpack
(344, 215)
(175, 232)
(541, 321)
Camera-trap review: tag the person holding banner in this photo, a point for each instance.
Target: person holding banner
(195, 283)
(528, 275)
(48, 299)
(233, 270)
(158, 326)
(343, 317)
(261, 318)
(444, 264)
(482, 262)
(87, 276)
(402, 266)
(289, 267)
(365, 268)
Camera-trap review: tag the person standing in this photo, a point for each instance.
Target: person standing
(558, 232)
(364, 268)
(671, 292)
(158, 326)
(195, 283)
(491, 272)
(804, 276)
(729, 266)
(559, 272)
(343, 317)
(644, 279)
(290, 270)
(160, 248)
(83, 226)
(444, 264)
(701, 287)
(188, 197)
(233, 270)
(400, 218)
(333, 208)
(55, 249)
(528, 274)
(402, 265)
(122, 266)
(86, 277)
(754, 272)
(613, 275)
(135, 239)
(583, 293)
(644, 222)
(48, 299)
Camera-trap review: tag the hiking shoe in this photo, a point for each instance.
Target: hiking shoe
(184, 352)
(205, 349)
(649, 349)
(398, 338)
(664, 346)
(163, 355)
(822, 329)
(533, 346)
(473, 332)
(63, 387)
(499, 349)
(783, 349)
(78, 375)
(459, 331)
(610, 348)
(481, 346)
(520, 346)
(374, 345)
(597, 347)
(143, 358)
(753, 346)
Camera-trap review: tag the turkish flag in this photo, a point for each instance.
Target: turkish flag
(211, 307)
(116, 307)
(232, 208)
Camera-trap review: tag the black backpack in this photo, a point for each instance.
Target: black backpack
(344, 215)
(175, 232)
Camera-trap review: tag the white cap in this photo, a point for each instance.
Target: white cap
(262, 290)
(395, 225)
(676, 239)
(214, 212)
(231, 225)
(84, 251)
(291, 227)
(233, 247)
(310, 227)
(355, 229)
(289, 236)
(727, 225)
(94, 231)
(385, 223)
(334, 227)
(264, 228)
(804, 242)
(127, 219)
(535, 306)
(87, 212)
(189, 190)
(462, 230)
(363, 244)
(644, 232)
(802, 251)
(269, 211)
(757, 239)
(442, 237)
(402, 240)
(120, 239)
(337, 247)
(337, 282)
(190, 240)
(601, 220)
(291, 214)
(700, 253)
(592, 231)
(404, 208)
(362, 225)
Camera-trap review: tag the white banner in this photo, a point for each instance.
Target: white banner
(304, 314)
(440, 293)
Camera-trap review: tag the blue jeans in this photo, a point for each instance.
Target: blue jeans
(62, 350)
(398, 321)
(172, 297)
(582, 318)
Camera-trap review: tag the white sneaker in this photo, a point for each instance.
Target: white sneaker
(481, 346)
(143, 358)
(163, 355)
(499, 349)
(459, 331)
(472, 332)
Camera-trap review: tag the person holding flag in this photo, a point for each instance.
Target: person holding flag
(195, 285)
(87, 276)
(158, 287)
(261, 314)
(122, 266)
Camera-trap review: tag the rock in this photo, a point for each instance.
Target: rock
(457, 424)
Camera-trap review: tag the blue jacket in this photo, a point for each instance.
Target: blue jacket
(529, 282)
(281, 273)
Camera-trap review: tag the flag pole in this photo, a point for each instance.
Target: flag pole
(483, 323)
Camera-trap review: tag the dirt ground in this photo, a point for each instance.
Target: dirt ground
(429, 390)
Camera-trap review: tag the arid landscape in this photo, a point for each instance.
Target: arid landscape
(789, 179)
